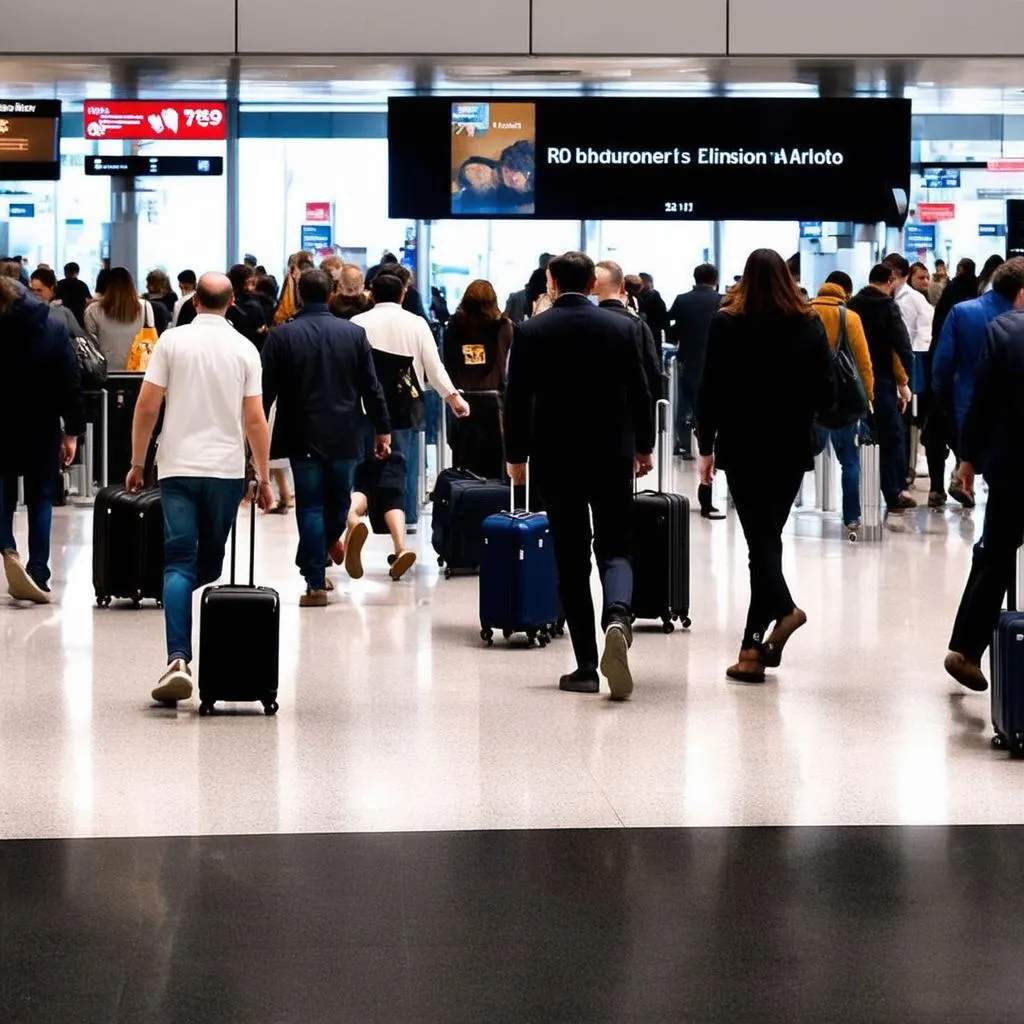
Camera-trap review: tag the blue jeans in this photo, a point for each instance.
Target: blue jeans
(198, 515)
(844, 444)
(39, 483)
(323, 493)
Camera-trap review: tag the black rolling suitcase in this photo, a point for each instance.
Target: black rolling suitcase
(661, 545)
(462, 501)
(128, 545)
(231, 667)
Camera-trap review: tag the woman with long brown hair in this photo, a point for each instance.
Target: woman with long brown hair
(114, 320)
(768, 374)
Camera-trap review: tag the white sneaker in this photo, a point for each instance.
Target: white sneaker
(20, 585)
(175, 684)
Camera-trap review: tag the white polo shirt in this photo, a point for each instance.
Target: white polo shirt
(917, 313)
(393, 329)
(208, 368)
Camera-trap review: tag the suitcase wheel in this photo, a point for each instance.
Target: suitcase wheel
(270, 708)
(448, 573)
(507, 634)
(102, 601)
(667, 626)
(531, 637)
(999, 741)
(136, 602)
(685, 622)
(206, 708)
(440, 563)
(487, 635)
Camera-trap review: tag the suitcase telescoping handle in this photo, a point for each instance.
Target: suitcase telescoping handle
(661, 417)
(254, 498)
(512, 491)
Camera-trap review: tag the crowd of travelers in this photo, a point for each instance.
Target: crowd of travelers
(320, 387)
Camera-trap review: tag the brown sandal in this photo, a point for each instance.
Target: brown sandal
(750, 667)
(784, 629)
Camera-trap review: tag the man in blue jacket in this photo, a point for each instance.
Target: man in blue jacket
(320, 370)
(990, 438)
(41, 418)
(955, 363)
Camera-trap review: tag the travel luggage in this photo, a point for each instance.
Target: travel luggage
(870, 489)
(1008, 675)
(239, 638)
(518, 577)
(661, 544)
(461, 503)
(128, 546)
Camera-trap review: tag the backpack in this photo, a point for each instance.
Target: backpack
(851, 402)
(402, 391)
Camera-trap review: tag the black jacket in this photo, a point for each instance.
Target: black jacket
(691, 315)
(650, 351)
(74, 293)
(765, 380)
(320, 370)
(994, 426)
(886, 333)
(655, 312)
(576, 392)
(41, 387)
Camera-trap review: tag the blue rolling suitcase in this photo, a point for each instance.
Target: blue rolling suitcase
(1008, 677)
(518, 577)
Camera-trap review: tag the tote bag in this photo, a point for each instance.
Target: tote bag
(143, 343)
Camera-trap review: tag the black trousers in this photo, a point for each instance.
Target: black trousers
(992, 572)
(602, 494)
(763, 496)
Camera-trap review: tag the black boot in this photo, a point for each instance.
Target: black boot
(583, 680)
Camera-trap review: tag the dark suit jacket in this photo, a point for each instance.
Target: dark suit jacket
(650, 351)
(655, 312)
(994, 425)
(886, 333)
(576, 390)
(765, 380)
(320, 370)
(691, 315)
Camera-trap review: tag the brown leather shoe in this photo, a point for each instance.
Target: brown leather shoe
(784, 629)
(750, 667)
(966, 672)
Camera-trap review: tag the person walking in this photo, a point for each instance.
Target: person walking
(990, 445)
(41, 418)
(830, 305)
(73, 292)
(319, 369)
(208, 377)
(768, 374)
(578, 408)
(114, 320)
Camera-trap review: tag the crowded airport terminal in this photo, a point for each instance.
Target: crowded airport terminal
(511, 514)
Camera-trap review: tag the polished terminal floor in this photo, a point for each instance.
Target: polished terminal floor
(400, 729)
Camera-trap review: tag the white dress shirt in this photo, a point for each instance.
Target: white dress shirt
(917, 313)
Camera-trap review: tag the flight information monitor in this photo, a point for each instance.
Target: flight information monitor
(29, 140)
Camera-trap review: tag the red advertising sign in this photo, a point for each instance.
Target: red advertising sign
(932, 213)
(1005, 165)
(318, 213)
(198, 120)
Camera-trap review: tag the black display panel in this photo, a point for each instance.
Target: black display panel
(155, 166)
(594, 158)
(1014, 228)
(29, 140)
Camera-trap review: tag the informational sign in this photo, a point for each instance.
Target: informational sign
(153, 166)
(1008, 166)
(810, 229)
(199, 120)
(942, 177)
(316, 237)
(21, 210)
(933, 213)
(319, 213)
(29, 140)
(590, 158)
(991, 230)
(919, 236)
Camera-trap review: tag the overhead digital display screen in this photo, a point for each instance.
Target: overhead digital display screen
(593, 158)
(29, 140)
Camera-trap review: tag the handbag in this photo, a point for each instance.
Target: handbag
(851, 402)
(92, 363)
(143, 343)
(401, 389)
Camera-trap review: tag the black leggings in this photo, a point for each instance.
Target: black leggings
(763, 496)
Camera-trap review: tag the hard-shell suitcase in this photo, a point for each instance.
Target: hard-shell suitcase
(128, 545)
(231, 666)
(1008, 675)
(461, 503)
(661, 544)
(518, 577)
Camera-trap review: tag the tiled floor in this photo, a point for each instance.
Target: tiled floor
(394, 717)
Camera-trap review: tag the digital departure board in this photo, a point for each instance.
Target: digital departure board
(29, 140)
(603, 158)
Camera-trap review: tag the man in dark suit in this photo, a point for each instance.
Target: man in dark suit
(652, 308)
(990, 444)
(577, 405)
(320, 370)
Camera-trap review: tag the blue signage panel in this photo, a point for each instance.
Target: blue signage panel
(21, 210)
(810, 229)
(942, 177)
(316, 237)
(919, 236)
(992, 230)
